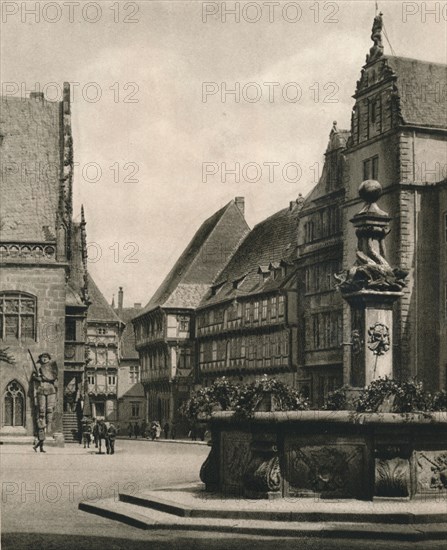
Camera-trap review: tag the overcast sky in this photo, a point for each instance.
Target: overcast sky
(152, 128)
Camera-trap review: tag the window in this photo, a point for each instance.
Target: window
(214, 351)
(202, 353)
(184, 358)
(371, 168)
(14, 405)
(326, 330)
(17, 315)
(374, 110)
(135, 409)
(281, 306)
(101, 331)
(91, 378)
(184, 324)
(247, 312)
(256, 311)
(70, 329)
(111, 380)
(134, 373)
(274, 307)
(309, 230)
(264, 309)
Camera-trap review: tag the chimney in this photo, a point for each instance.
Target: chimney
(137, 305)
(120, 299)
(66, 98)
(240, 203)
(38, 96)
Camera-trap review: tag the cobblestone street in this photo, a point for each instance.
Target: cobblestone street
(41, 493)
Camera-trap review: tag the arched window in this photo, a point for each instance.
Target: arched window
(17, 315)
(14, 405)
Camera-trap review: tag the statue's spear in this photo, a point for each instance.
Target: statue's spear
(34, 363)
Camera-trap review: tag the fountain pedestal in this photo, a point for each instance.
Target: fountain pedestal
(371, 335)
(371, 287)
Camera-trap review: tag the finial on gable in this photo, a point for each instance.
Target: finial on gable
(376, 50)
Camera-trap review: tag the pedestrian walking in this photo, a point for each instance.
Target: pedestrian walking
(166, 430)
(130, 430)
(95, 432)
(144, 429)
(136, 430)
(40, 436)
(110, 439)
(86, 433)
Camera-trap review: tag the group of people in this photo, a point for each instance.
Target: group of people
(98, 430)
(152, 430)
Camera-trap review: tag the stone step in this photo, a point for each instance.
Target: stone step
(148, 518)
(150, 500)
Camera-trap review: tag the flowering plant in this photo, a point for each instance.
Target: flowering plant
(281, 397)
(388, 395)
(243, 399)
(219, 396)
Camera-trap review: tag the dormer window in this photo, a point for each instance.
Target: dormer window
(238, 282)
(217, 287)
(264, 272)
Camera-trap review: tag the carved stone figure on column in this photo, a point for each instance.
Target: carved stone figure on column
(45, 381)
(376, 51)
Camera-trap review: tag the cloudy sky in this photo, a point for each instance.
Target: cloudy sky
(150, 113)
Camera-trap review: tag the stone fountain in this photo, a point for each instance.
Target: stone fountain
(340, 454)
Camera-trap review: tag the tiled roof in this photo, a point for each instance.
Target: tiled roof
(186, 296)
(99, 309)
(269, 242)
(136, 390)
(422, 91)
(128, 350)
(29, 186)
(194, 271)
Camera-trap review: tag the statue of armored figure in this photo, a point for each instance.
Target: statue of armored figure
(45, 380)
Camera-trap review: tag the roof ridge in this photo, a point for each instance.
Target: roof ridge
(97, 298)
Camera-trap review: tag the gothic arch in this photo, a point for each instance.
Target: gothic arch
(14, 404)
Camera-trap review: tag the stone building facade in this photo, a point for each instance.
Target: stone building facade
(43, 291)
(399, 137)
(165, 328)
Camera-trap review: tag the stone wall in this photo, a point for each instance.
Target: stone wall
(327, 454)
(47, 284)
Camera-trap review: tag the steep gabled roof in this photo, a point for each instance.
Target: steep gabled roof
(269, 242)
(99, 309)
(422, 90)
(202, 259)
(29, 186)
